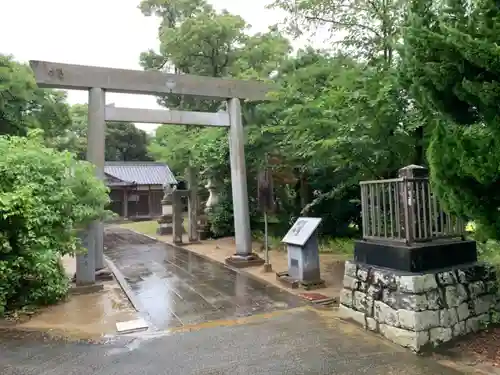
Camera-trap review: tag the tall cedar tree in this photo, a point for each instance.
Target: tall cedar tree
(451, 61)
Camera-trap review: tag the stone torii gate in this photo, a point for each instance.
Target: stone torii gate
(98, 80)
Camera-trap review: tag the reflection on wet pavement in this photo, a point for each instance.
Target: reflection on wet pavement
(177, 287)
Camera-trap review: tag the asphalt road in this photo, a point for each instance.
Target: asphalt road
(299, 341)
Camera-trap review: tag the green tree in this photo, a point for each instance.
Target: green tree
(24, 106)
(336, 122)
(368, 29)
(326, 105)
(451, 63)
(124, 141)
(196, 39)
(45, 196)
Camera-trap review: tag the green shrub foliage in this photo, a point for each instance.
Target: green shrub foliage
(45, 197)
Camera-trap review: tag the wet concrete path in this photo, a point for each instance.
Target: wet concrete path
(176, 287)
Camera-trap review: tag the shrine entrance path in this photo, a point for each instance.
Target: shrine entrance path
(201, 312)
(175, 287)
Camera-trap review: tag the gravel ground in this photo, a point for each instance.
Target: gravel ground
(478, 348)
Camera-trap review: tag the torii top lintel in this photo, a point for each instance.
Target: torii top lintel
(82, 77)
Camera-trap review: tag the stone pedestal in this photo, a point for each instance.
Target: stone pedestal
(420, 311)
(177, 217)
(203, 226)
(192, 180)
(243, 261)
(165, 221)
(415, 257)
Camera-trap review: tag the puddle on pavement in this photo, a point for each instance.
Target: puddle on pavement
(85, 316)
(176, 287)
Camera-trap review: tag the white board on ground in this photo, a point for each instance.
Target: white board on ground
(301, 231)
(132, 326)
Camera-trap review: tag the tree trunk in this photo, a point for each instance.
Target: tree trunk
(419, 146)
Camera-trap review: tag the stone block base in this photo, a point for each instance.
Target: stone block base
(100, 275)
(85, 289)
(240, 261)
(286, 279)
(420, 311)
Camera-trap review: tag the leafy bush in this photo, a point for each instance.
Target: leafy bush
(45, 197)
(488, 249)
(221, 218)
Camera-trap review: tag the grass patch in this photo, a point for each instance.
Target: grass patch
(146, 227)
(343, 246)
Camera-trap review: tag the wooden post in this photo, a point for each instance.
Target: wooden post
(150, 204)
(192, 179)
(410, 200)
(125, 203)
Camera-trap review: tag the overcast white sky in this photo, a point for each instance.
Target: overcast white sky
(109, 33)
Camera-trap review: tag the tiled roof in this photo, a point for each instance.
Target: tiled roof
(140, 173)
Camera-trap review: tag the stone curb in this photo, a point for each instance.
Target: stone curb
(238, 270)
(124, 285)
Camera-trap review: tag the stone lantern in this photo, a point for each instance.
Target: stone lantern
(165, 220)
(213, 198)
(212, 201)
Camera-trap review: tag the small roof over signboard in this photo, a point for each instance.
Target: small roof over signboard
(301, 231)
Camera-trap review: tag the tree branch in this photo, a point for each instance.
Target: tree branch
(343, 24)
